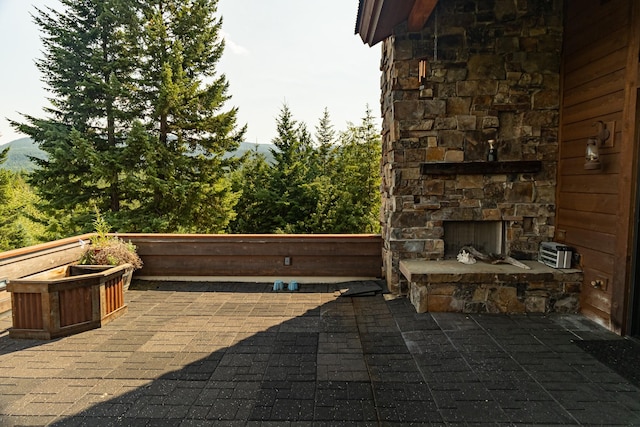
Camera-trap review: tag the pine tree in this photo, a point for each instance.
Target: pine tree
(7, 217)
(349, 195)
(88, 66)
(186, 183)
(325, 140)
(293, 197)
(325, 135)
(358, 178)
(251, 182)
(323, 169)
(4, 178)
(21, 223)
(135, 125)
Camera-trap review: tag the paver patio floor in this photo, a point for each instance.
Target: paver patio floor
(202, 354)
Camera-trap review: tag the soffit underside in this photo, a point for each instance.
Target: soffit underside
(377, 18)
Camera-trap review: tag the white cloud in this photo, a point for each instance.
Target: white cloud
(233, 47)
(271, 55)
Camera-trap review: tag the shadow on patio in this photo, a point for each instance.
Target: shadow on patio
(241, 354)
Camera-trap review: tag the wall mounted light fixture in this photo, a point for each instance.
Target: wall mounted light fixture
(592, 152)
(592, 155)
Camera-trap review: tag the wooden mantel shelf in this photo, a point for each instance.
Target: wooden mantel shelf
(476, 168)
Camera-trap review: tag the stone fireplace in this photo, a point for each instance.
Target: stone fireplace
(479, 71)
(494, 206)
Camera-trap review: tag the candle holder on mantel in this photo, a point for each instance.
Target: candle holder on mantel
(492, 155)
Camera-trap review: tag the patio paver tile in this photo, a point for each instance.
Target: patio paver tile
(215, 355)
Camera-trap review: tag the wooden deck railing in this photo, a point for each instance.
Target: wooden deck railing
(221, 255)
(207, 257)
(34, 259)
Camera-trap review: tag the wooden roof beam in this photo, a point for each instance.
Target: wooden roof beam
(377, 18)
(420, 13)
(369, 13)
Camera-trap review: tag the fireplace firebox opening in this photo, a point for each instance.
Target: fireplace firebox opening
(486, 236)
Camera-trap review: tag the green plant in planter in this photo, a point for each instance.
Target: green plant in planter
(109, 250)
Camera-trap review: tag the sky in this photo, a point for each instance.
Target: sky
(300, 52)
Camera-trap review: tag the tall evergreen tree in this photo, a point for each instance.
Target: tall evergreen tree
(254, 207)
(358, 174)
(21, 224)
(4, 177)
(89, 68)
(293, 197)
(349, 195)
(325, 135)
(185, 186)
(9, 238)
(135, 125)
(325, 140)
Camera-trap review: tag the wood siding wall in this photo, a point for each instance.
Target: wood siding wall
(600, 56)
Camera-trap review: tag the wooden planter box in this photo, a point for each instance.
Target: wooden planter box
(67, 300)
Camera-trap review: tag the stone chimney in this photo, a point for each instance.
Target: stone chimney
(491, 72)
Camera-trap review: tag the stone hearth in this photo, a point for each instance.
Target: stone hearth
(450, 286)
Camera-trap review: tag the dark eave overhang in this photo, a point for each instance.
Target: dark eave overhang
(377, 18)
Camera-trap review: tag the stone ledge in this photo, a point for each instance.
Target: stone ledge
(449, 270)
(478, 168)
(450, 286)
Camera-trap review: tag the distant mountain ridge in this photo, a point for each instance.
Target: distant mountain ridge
(21, 150)
(19, 155)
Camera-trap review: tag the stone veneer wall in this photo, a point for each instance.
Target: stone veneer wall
(496, 77)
